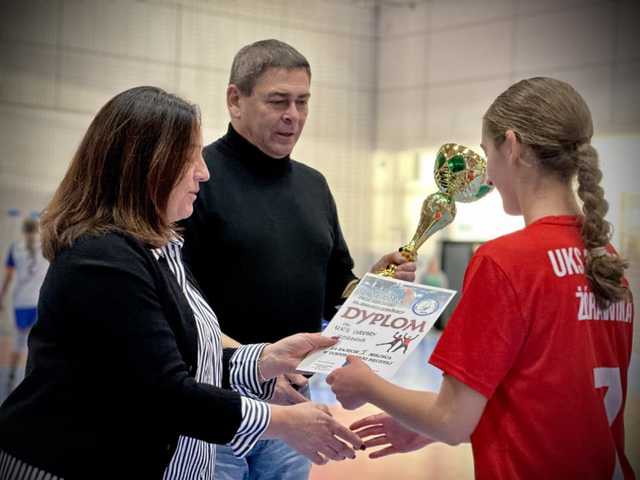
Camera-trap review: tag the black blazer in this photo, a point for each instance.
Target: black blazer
(110, 382)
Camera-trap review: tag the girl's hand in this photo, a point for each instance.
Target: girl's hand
(350, 383)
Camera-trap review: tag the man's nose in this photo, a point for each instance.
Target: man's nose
(291, 113)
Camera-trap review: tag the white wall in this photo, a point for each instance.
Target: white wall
(390, 84)
(406, 77)
(63, 59)
(441, 63)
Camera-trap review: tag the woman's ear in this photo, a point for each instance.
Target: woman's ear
(514, 150)
(511, 146)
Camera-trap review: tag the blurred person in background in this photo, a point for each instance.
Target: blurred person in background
(264, 242)
(126, 364)
(536, 355)
(26, 265)
(434, 276)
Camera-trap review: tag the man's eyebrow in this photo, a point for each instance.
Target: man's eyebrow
(286, 95)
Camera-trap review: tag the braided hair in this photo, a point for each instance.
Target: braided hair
(553, 119)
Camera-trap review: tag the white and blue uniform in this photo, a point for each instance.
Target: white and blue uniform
(30, 270)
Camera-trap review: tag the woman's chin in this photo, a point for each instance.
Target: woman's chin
(186, 214)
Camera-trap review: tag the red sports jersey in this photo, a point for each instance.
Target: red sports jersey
(528, 335)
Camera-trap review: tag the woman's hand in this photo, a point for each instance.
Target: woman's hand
(383, 430)
(287, 389)
(351, 382)
(285, 355)
(310, 429)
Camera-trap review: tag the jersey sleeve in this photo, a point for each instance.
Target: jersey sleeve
(486, 331)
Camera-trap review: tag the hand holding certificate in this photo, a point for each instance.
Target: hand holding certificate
(381, 322)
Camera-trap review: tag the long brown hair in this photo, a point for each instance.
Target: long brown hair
(120, 178)
(553, 119)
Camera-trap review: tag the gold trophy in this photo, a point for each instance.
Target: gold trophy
(461, 176)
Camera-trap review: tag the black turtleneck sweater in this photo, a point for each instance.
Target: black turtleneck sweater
(264, 243)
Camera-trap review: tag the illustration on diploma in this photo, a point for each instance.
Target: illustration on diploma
(402, 342)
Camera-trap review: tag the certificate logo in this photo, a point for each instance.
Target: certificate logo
(380, 292)
(426, 306)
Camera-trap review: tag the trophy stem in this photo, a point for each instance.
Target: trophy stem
(438, 211)
(409, 251)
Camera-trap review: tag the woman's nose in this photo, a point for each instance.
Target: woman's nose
(202, 171)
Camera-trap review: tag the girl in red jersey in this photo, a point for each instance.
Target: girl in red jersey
(536, 355)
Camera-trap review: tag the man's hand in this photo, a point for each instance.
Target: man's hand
(383, 430)
(286, 391)
(286, 354)
(350, 382)
(310, 429)
(405, 270)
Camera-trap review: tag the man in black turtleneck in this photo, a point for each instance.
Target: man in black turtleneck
(264, 241)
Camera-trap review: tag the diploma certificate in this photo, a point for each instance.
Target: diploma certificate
(381, 322)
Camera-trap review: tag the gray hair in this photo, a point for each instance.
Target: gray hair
(254, 59)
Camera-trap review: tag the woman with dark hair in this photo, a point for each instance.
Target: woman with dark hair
(537, 352)
(26, 265)
(125, 363)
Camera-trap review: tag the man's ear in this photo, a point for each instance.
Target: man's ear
(233, 101)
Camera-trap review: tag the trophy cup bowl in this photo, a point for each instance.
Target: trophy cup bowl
(461, 176)
(461, 173)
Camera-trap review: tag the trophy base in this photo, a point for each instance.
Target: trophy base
(407, 252)
(390, 271)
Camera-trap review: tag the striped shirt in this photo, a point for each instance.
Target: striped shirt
(12, 468)
(195, 459)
